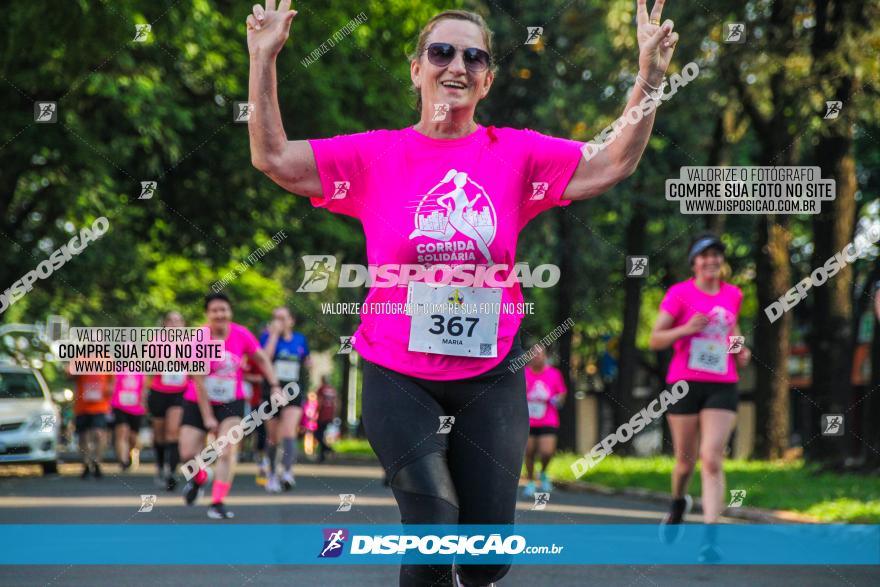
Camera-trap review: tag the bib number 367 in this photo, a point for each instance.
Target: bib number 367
(457, 321)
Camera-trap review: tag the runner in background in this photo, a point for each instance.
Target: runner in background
(289, 352)
(215, 402)
(128, 403)
(254, 379)
(697, 318)
(545, 392)
(309, 422)
(90, 407)
(327, 398)
(165, 404)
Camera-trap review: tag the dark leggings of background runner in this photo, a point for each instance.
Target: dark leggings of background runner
(468, 476)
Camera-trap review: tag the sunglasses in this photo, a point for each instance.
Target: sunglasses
(442, 54)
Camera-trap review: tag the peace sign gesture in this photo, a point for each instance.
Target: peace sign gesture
(268, 29)
(656, 41)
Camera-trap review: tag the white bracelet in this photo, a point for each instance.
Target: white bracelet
(658, 92)
(644, 81)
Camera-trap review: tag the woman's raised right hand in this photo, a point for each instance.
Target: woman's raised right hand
(268, 29)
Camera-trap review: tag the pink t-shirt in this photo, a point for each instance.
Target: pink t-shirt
(703, 356)
(224, 379)
(169, 382)
(540, 389)
(440, 201)
(128, 392)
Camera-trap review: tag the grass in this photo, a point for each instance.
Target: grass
(793, 486)
(353, 446)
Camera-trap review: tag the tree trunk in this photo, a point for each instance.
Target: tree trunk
(831, 338)
(771, 344)
(564, 305)
(628, 362)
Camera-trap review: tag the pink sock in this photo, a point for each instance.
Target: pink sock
(201, 477)
(219, 491)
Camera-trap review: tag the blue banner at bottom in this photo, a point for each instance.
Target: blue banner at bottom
(525, 544)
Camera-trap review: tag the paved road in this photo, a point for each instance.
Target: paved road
(25, 497)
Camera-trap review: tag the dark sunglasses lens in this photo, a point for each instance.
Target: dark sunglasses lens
(476, 59)
(441, 54)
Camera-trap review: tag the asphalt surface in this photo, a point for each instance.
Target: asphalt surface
(28, 498)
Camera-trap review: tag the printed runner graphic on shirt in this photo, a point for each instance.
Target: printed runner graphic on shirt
(465, 212)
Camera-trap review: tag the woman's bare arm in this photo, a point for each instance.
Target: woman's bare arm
(290, 164)
(600, 170)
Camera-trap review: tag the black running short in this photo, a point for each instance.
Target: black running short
(133, 421)
(402, 416)
(704, 395)
(543, 431)
(158, 402)
(192, 416)
(87, 421)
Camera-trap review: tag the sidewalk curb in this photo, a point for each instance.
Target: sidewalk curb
(751, 514)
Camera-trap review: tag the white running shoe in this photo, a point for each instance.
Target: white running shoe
(287, 481)
(273, 485)
(456, 582)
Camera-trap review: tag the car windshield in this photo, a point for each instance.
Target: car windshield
(19, 386)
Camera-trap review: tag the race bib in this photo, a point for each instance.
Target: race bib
(287, 370)
(537, 410)
(128, 398)
(173, 379)
(708, 355)
(456, 321)
(220, 389)
(93, 392)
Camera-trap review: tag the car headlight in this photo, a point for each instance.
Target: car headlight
(42, 422)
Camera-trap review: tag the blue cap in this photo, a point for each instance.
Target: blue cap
(707, 242)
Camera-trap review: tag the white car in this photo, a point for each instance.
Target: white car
(29, 419)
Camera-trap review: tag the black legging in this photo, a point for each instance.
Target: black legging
(468, 476)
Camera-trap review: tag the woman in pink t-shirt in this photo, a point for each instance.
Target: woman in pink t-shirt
(216, 403)
(545, 392)
(128, 403)
(450, 195)
(165, 403)
(698, 318)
